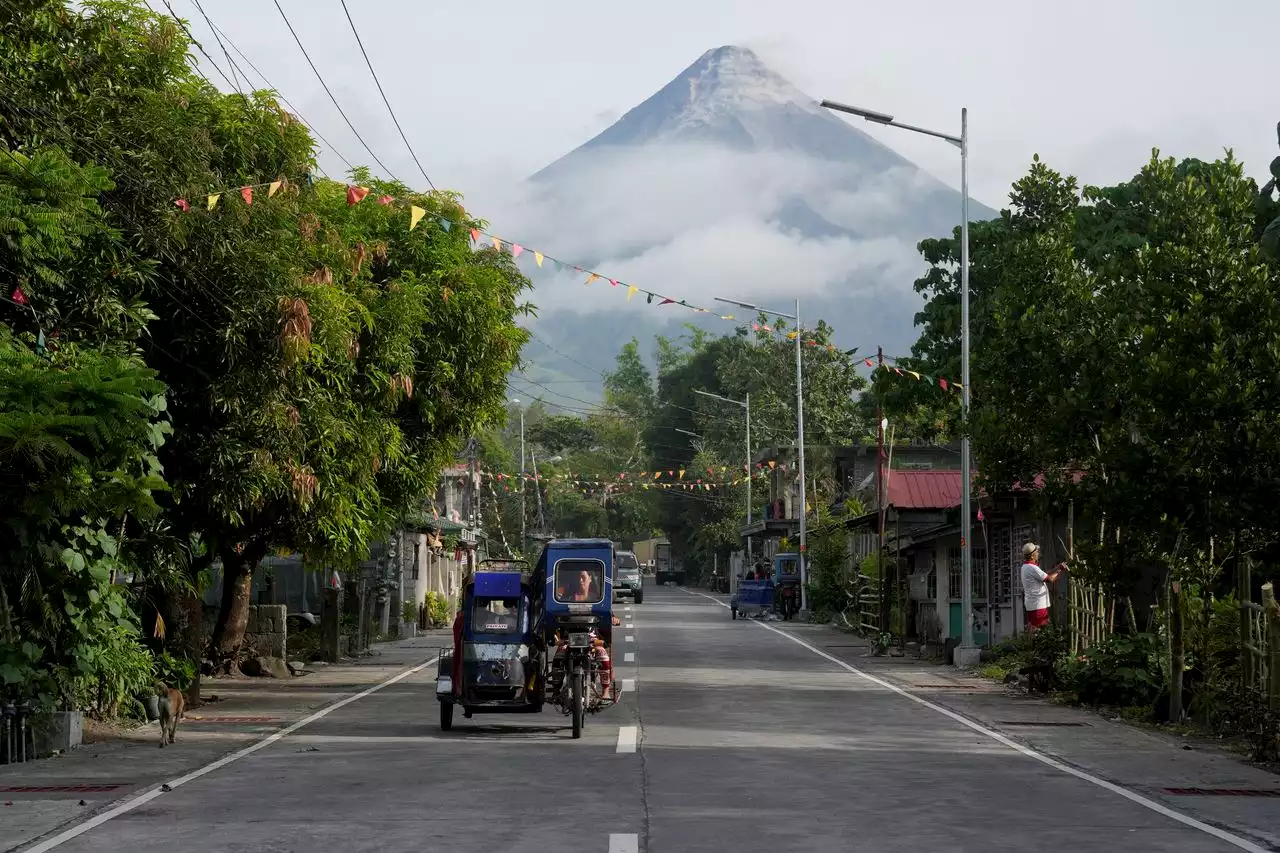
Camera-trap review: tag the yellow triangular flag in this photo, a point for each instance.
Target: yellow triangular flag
(273, 188)
(213, 200)
(592, 278)
(631, 291)
(497, 244)
(681, 473)
(913, 373)
(537, 257)
(415, 216)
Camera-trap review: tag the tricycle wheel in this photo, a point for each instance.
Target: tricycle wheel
(639, 597)
(466, 712)
(734, 611)
(578, 700)
(446, 716)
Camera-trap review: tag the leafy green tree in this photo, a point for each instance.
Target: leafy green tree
(78, 441)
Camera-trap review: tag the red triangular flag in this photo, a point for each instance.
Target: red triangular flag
(18, 296)
(183, 205)
(475, 235)
(867, 361)
(386, 199)
(942, 383)
(247, 194)
(355, 195)
(666, 301)
(614, 282)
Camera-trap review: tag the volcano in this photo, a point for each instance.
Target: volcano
(729, 178)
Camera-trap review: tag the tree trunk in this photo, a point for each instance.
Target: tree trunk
(1177, 657)
(233, 614)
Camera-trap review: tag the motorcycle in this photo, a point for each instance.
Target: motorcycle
(581, 676)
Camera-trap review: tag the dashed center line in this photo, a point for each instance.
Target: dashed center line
(627, 738)
(629, 657)
(628, 685)
(630, 638)
(624, 842)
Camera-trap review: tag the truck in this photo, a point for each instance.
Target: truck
(667, 567)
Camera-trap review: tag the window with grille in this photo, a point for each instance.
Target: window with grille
(955, 574)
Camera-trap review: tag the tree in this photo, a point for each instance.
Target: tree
(292, 332)
(78, 436)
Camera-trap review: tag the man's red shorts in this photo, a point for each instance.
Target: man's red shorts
(1038, 618)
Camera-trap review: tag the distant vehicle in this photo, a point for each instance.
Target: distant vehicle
(669, 569)
(627, 580)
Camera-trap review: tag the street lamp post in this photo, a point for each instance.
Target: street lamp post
(968, 653)
(522, 507)
(746, 405)
(804, 505)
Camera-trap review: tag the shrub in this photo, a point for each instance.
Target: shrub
(409, 612)
(437, 609)
(1121, 670)
(175, 672)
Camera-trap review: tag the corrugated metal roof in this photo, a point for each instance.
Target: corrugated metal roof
(924, 489)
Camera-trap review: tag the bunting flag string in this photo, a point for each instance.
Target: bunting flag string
(670, 478)
(940, 381)
(357, 194)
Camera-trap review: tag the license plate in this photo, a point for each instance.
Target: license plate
(579, 641)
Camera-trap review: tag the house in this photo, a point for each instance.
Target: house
(922, 539)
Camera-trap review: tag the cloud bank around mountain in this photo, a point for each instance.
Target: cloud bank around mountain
(697, 221)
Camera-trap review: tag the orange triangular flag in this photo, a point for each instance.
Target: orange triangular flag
(247, 194)
(497, 243)
(592, 278)
(355, 195)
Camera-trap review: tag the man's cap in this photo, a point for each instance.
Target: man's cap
(1029, 549)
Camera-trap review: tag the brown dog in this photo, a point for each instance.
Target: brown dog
(172, 706)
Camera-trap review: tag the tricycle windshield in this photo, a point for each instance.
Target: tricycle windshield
(495, 615)
(579, 581)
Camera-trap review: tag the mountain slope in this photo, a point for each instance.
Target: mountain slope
(731, 181)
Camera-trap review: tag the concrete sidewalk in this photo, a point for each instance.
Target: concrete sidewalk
(38, 797)
(1188, 775)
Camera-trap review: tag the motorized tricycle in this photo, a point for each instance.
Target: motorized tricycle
(786, 585)
(576, 602)
(496, 664)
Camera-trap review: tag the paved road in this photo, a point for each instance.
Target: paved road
(749, 741)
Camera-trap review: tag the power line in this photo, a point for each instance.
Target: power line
(199, 46)
(384, 95)
(329, 92)
(310, 125)
(230, 62)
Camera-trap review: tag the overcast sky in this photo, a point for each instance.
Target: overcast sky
(488, 93)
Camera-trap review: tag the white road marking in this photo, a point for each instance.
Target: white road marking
(1222, 834)
(629, 657)
(628, 685)
(627, 737)
(624, 843)
(630, 639)
(147, 796)
(631, 624)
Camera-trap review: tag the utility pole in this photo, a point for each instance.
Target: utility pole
(881, 500)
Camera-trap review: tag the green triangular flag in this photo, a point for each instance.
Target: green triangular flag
(40, 342)
(446, 224)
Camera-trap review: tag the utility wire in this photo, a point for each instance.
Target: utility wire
(329, 92)
(384, 95)
(310, 125)
(230, 62)
(199, 46)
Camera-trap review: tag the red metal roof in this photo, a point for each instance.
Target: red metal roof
(924, 489)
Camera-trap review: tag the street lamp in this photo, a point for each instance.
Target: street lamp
(697, 439)
(967, 654)
(804, 556)
(746, 405)
(516, 400)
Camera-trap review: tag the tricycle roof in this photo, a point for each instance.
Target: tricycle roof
(499, 584)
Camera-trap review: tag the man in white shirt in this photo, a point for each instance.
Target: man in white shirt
(1035, 586)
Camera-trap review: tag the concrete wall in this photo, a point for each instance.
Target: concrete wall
(433, 573)
(267, 631)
